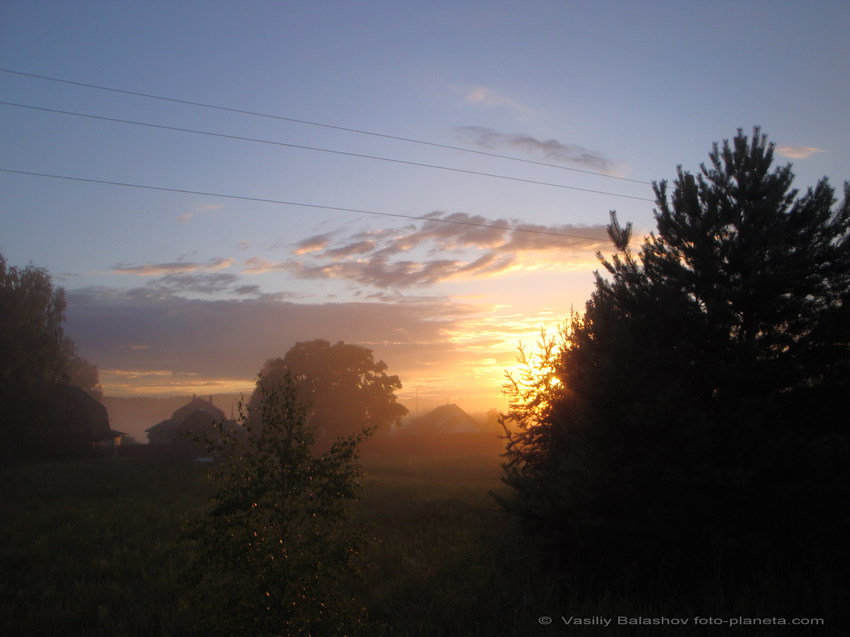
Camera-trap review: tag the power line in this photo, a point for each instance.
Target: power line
(320, 124)
(297, 203)
(316, 149)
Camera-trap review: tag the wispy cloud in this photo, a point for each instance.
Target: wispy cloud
(314, 243)
(259, 265)
(470, 247)
(549, 149)
(220, 263)
(203, 283)
(797, 152)
(174, 267)
(351, 249)
(187, 216)
(382, 273)
(484, 96)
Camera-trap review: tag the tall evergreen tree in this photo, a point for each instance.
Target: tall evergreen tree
(698, 401)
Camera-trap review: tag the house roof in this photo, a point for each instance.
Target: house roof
(82, 415)
(197, 404)
(162, 426)
(192, 420)
(445, 419)
(198, 411)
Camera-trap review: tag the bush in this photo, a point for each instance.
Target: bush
(273, 553)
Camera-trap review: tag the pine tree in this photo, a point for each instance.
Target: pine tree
(698, 400)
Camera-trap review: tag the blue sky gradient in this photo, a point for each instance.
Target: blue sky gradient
(173, 292)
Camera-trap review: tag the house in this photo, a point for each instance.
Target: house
(446, 431)
(190, 421)
(83, 422)
(445, 419)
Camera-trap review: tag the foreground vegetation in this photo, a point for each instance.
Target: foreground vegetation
(94, 547)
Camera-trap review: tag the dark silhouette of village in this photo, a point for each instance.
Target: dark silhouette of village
(84, 428)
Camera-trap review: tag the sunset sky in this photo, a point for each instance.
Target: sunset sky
(177, 292)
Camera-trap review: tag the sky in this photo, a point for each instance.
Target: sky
(428, 180)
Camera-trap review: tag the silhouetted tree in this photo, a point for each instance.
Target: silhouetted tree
(274, 550)
(79, 372)
(343, 387)
(35, 356)
(695, 413)
(31, 315)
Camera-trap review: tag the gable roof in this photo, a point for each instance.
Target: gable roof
(197, 404)
(445, 419)
(194, 419)
(83, 416)
(162, 426)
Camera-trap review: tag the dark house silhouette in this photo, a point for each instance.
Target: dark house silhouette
(82, 423)
(192, 420)
(444, 419)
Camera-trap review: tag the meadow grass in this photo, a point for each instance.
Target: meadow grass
(92, 547)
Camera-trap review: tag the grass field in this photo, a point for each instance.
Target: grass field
(92, 547)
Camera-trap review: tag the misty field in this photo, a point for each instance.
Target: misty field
(92, 547)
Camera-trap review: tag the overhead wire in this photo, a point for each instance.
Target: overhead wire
(318, 124)
(318, 149)
(300, 204)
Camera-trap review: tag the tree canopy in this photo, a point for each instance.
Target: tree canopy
(344, 387)
(35, 356)
(698, 400)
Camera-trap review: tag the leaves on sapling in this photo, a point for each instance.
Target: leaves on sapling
(275, 551)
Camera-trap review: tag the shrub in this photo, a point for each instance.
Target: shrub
(273, 552)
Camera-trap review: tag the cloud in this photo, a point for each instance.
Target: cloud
(176, 267)
(220, 263)
(460, 230)
(314, 243)
(156, 269)
(797, 152)
(447, 246)
(381, 273)
(259, 265)
(443, 349)
(358, 247)
(203, 283)
(535, 237)
(247, 290)
(550, 149)
(488, 97)
(231, 338)
(188, 215)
